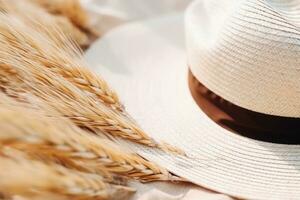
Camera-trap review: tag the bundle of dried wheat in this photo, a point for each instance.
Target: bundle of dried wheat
(56, 139)
(68, 15)
(71, 88)
(56, 119)
(32, 179)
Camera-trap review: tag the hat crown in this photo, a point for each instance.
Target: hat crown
(247, 52)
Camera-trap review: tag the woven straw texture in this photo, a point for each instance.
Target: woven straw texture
(152, 62)
(248, 52)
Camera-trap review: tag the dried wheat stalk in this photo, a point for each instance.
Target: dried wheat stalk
(27, 10)
(43, 66)
(72, 11)
(58, 139)
(66, 61)
(72, 103)
(69, 8)
(28, 178)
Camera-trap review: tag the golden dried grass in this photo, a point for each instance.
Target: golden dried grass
(73, 12)
(49, 105)
(26, 9)
(46, 39)
(57, 139)
(69, 8)
(20, 176)
(58, 76)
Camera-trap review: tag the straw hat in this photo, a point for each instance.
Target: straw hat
(243, 53)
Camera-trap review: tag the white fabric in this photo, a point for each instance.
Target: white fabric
(192, 194)
(171, 191)
(115, 12)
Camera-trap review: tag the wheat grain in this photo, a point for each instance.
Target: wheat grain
(66, 61)
(27, 48)
(57, 139)
(24, 177)
(72, 103)
(64, 94)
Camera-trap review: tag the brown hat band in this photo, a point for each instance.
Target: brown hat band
(248, 123)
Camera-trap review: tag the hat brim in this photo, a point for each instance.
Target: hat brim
(145, 62)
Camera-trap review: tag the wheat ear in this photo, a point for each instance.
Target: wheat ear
(65, 59)
(58, 139)
(72, 103)
(26, 10)
(64, 94)
(21, 176)
(73, 11)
